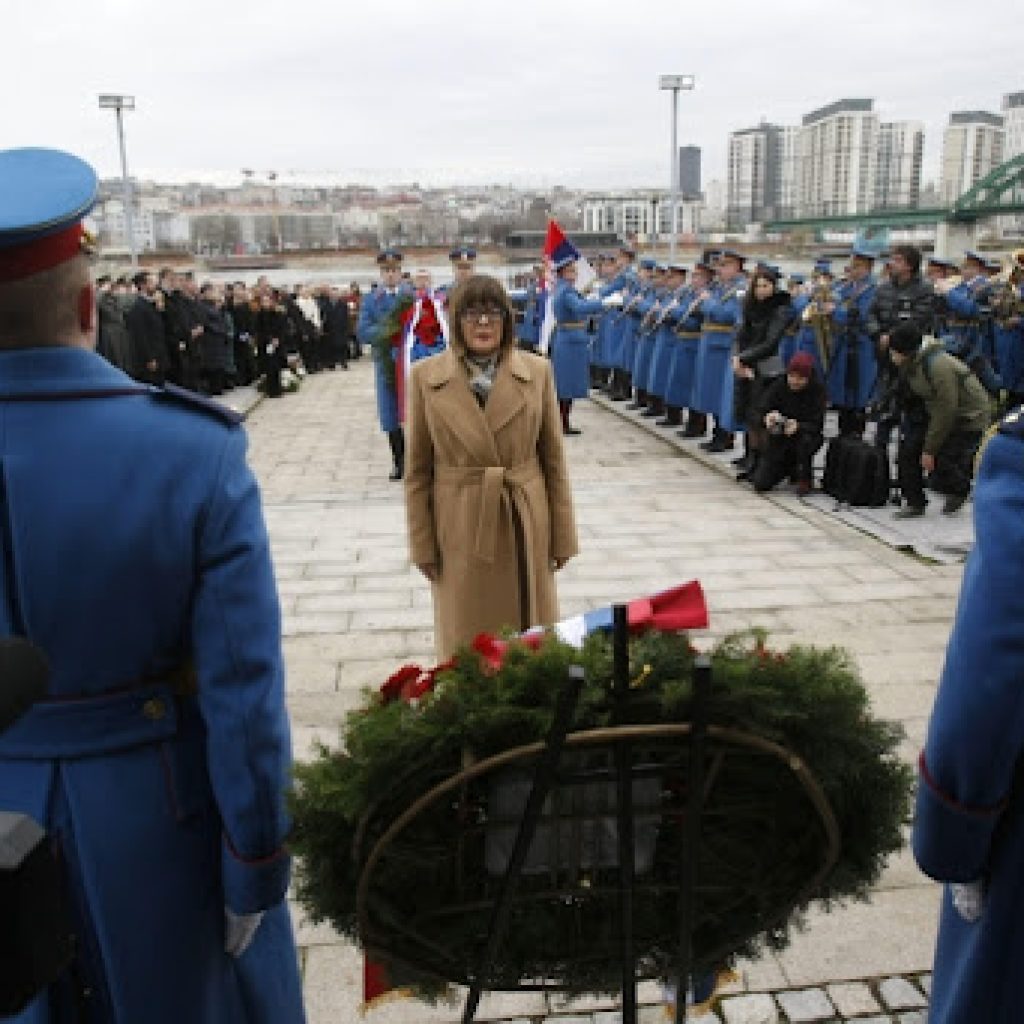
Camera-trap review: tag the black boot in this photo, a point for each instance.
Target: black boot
(397, 441)
(696, 425)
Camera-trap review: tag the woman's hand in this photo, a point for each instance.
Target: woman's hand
(429, 569)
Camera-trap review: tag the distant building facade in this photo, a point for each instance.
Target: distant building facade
(644, 215)
(689, 172)
(972, 147)
(900, 158)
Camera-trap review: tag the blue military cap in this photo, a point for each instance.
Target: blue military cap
(678, 267)
(462, 254)
(975, 256)
(733, 254)
(660, 268)
(389, 256)
(44, 195)
(862, 252)
(941, 261)
(823, 266)
(627, 250)
(565, 261)
(648, 264)
(797, 278)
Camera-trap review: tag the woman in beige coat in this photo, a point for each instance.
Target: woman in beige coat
(487, 494)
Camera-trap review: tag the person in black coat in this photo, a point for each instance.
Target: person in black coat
(271, 348)
(336, 330)
(767, 312)
(792, 413)
(244, 318)
(146, 332)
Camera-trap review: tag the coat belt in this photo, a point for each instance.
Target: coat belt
(92, 726)
(720, 328)
(497, 484)
(687, 335)
(572, 325)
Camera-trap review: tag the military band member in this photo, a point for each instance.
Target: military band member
(463, 260)
(969, 321)
(373, 312)
(799, 296)
(570, 356)
(528, 329)
(641, 292)
(853, 367)
(722, 313)
(649, 308)
(625, 281)
(682, 372)
(664, 344)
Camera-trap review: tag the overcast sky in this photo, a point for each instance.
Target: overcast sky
(477, 91)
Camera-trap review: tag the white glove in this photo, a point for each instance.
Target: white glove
(239, 930)
(612, 301)
(969, 899)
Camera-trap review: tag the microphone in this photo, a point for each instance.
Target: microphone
(24, 678)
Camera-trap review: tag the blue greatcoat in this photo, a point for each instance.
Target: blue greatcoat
(631, 324)
(969, 823)
(853, 369)
(650, 304)
(134, 546)
(682, 372)
(665, 342)
(713, 386)
(626, 282)
(570, 357)
(373, 311)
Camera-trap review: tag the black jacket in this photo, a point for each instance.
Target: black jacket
(806, 406)
(759, 336)
(896, 303)
(146, 330)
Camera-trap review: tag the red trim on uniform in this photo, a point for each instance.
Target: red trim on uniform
(977, 812)
(19, 261)
(254, 861)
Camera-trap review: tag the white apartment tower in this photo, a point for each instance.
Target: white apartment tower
(839, 158)
(753, 175)
(972, 147)
(789, 170)
(900, 155)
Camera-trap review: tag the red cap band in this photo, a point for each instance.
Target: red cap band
(19, 261)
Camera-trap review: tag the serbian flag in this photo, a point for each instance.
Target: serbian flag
(556, 248)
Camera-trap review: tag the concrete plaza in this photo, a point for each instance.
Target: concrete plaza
(648, 517)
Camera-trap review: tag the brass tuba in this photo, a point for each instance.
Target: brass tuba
(819, 317)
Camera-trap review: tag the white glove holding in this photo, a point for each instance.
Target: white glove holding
(239, 931)
(612, 301)
(969, 899)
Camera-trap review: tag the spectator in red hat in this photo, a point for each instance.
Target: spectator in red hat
(792, 409)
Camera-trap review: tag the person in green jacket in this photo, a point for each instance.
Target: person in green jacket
(945, 442)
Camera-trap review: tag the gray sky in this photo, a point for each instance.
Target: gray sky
(477, 91)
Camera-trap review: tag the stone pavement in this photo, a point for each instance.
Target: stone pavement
(649, 517)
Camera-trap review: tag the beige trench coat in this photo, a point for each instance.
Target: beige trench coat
(487, 495)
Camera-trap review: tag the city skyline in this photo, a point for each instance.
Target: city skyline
(451, 93)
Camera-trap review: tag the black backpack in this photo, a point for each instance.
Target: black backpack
(856, 472)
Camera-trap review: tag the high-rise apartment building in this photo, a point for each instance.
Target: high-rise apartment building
(838, 158)
(1013, 124)
(789, 170)
(972, 146)
(689, 172)
(754, 175)
(900, 156)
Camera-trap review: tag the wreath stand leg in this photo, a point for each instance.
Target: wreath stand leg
(690, 843)
(543, 778)
(624, 810)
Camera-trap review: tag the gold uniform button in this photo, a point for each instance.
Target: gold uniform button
(154, 709)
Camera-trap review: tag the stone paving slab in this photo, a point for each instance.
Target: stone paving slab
(649, 516)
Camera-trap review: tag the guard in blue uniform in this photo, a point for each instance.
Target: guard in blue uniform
(853, 366)
(799, 297)
(969, 822)
(624, 281)
(632, 314)
(664, 343)
(570, 356)
(1008, 317)
(136, 558)
(722, 314)
(649, 309)
(463, 261)
(968, 314)
(604, 265)
(682, 371)
(374, 311)
(528, 329)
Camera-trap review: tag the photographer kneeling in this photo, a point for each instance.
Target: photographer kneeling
(793, 411)
(958, 413)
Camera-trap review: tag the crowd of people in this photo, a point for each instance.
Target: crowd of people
(933, 351)
(209, 338)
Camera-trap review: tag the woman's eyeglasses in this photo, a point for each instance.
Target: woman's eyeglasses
(483, 314)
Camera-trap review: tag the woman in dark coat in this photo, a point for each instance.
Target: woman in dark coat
(271, 353)
(767, 312)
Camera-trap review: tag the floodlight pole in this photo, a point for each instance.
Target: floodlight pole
(674, 83)
(118, 104)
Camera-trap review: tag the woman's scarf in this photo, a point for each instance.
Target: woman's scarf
(482, 370)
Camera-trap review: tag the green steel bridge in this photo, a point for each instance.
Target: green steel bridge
(998, 193)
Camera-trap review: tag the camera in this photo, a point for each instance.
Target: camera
(777, 428)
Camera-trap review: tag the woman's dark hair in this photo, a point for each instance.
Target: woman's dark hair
(480, 290)
(905, 338)
(759, 275)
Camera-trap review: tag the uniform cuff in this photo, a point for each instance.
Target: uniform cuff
(253, 885)
(951, 840)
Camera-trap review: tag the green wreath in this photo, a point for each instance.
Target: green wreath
(387, 330)
(428, 893)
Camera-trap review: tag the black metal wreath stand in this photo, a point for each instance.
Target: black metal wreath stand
(544, 777)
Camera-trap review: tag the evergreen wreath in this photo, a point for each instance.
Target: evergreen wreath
(388, 332)
(430, 887)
